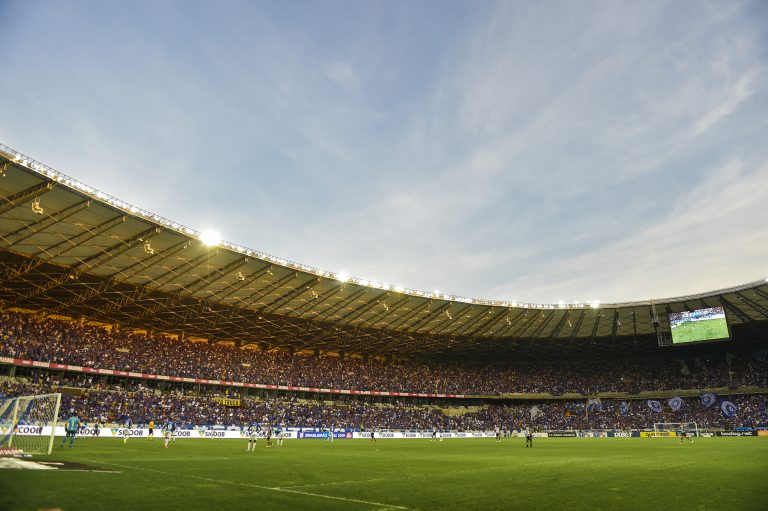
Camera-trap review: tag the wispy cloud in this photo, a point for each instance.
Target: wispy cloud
(530, 151)
(734, 96)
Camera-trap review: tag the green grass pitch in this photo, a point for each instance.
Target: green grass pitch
(558, 473)
(705, 330)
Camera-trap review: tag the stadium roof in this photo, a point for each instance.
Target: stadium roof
(70, 249)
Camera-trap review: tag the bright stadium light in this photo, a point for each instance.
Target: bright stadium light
(595, 304)
(210, 238)
(342, 276)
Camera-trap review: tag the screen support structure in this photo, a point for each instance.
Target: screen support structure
(662, 338)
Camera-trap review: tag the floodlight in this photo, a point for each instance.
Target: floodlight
(595, 304)
(342, 276)
(210, 238)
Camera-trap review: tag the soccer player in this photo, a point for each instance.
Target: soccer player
(127, 429)
(71, 429)
(373, 434)
(151, 434)
(173, 431)
(434, 434)
(253, 435)
(498, 434)
(168, 430)
(281, 435)
(686, 435)
(528, 437)
(96, 430)
(269, 435)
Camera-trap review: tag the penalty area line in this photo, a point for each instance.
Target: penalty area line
(380, 505)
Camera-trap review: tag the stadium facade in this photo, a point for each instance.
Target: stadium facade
(72, 250)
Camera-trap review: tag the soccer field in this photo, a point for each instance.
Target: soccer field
(218, 475)
(703, 330)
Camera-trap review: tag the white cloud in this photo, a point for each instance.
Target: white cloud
(732, 98)
(343, 75)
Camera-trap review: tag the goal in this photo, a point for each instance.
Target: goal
(28, 423)
(678, 427)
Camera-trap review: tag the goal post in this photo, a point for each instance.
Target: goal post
(683, 427)
(28, 423)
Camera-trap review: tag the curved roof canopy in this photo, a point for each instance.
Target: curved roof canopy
(70, 249)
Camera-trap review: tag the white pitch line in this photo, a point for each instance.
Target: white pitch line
(353, 481)
(269, 488)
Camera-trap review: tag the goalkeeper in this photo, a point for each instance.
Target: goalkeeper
(71, 428)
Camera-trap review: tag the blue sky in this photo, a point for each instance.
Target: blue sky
(528, 151)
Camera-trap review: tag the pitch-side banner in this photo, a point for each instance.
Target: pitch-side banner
(107, 432)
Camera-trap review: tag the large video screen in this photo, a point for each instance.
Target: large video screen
(698, 325)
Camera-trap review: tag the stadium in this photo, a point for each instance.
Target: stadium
(368, 155)
(133, 317)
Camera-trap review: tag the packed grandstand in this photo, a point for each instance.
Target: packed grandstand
(131, 317)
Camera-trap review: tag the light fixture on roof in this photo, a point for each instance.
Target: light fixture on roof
(210, 238)
(148, 248)
(342, 276)
(36, 209)
(240, 276)
(595, 304)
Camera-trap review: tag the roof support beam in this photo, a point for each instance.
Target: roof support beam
(560, 324)
(282, 300)
(276, 285)
(234, 288)
(578, 324)
(320, 299)
(409, 315)
(19, 198)
(489, 328)
(387, 309)
(615, 323)
(514, 329)
(154, 259)
(327, 315)
(755, 306)
(27, 232)
(423, 321)
(92, 262)
(481, 315)
(61, 248)
(353, 315)
(449, 319)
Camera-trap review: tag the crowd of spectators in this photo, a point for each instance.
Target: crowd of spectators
(29, 337)
(116, 402)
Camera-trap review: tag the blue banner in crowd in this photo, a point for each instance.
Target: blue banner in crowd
(675, 403)
(728, 409)
(654, 405)
(624, 409)
(707, 400)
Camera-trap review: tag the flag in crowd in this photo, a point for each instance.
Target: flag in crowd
(624, 409)
(707, 400)
(728, 409)
(675, 403)
(594, 404)
(654, 405)
(536, 413)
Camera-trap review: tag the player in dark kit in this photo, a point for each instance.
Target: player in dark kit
(373, 434)
(529, 438)
(71, 429)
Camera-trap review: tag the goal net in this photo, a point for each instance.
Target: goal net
(679, 428)
(29, 422)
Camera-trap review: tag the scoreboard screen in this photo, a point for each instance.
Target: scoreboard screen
(698, 325)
